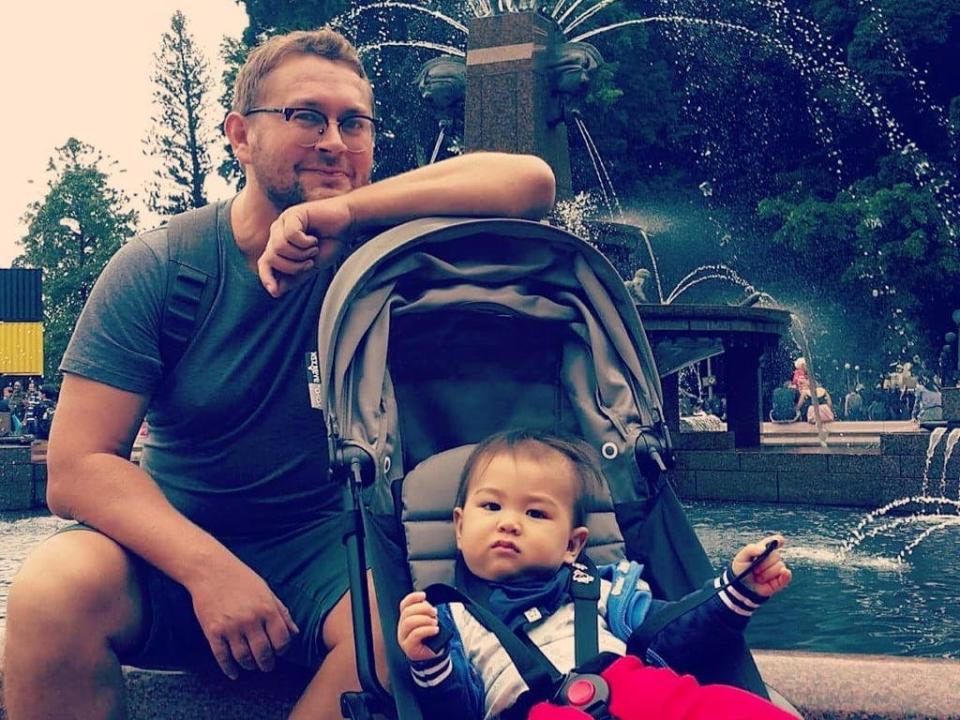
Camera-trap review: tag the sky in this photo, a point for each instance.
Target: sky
(82, 69)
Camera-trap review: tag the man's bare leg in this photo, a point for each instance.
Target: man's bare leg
(72, 607)
(338, 673)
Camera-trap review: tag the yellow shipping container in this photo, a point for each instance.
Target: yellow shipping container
(21, 348)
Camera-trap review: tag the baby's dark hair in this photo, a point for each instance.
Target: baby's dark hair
(585, 461)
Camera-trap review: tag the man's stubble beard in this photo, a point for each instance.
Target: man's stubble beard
(283, 198)
(295, 194)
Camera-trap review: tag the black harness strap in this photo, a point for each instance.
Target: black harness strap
(193, 250)
(537, 671)
(541, 677)
(585, 589)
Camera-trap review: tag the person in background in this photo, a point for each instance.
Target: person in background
(824, 408)
(853, 405)
(44, 410)
(7, 419)
(800, 382)
(929, 401)
(17, 400)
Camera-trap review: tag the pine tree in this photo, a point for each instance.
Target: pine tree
(180, 135)
(234, 53)
(71, 234)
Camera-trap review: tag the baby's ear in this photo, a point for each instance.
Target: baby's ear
(458, 524)
(578, 538)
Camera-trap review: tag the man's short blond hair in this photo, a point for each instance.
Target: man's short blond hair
(325, 43)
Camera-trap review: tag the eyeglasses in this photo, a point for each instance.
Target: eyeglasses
(309, 125)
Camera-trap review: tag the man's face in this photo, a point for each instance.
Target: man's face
(517, 517)
(287, 173)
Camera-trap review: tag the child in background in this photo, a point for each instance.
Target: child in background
(519, 525)
(801, 382)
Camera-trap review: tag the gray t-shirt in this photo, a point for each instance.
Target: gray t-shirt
(233, 441)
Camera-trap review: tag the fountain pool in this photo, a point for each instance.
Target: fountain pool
(865, 603)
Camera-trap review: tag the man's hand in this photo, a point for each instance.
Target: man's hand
(244, 622)
(769, 577)
(305, 237)
(418, 621)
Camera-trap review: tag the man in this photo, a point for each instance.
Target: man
(225, 543)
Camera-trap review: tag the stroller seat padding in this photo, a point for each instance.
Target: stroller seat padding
(428, 497)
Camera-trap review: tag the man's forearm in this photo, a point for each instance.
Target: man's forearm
(123, 502)
(480, 184)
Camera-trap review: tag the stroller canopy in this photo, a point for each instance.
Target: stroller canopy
(442, 330)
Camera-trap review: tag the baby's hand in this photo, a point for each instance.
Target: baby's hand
(298, 243)
(769, 577)
(418, 621)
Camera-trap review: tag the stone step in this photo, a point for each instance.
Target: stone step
(811, 440)
(822, 686)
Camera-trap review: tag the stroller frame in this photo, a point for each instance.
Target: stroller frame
(367, 453)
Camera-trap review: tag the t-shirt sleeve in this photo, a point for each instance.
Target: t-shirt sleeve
(116, 339)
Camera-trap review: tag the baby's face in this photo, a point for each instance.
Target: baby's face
(517, 519)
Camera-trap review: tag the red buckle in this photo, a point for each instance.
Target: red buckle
(580, 692)
(586, 692)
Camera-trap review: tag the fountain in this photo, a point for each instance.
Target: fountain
(523, 86)
(931, 502)
(523, 89)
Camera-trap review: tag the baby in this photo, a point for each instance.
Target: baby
(519, 525)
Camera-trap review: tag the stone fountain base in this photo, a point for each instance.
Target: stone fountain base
(709, 467)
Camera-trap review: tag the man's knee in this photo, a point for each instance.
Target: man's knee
(76, 587)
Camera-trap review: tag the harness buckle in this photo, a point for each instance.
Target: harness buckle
(586, 692)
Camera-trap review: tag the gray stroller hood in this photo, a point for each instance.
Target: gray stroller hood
(476, 291)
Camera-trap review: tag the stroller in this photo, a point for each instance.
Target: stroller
(441, 331)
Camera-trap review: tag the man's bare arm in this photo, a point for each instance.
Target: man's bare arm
(485, 184)
(91, 480)
(488, 184)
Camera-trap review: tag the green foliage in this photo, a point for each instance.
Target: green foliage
(181, 135)
(234, 53)
(71, 234)
(889, 253)
(273, 17)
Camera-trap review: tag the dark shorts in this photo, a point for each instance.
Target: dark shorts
(305, 568)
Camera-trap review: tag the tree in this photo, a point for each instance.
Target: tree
(272, 17)
(234, 53)
(888, 255)
(71, 234)
(180, 133)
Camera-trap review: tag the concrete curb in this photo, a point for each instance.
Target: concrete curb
(826, 686)
(822, 686)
